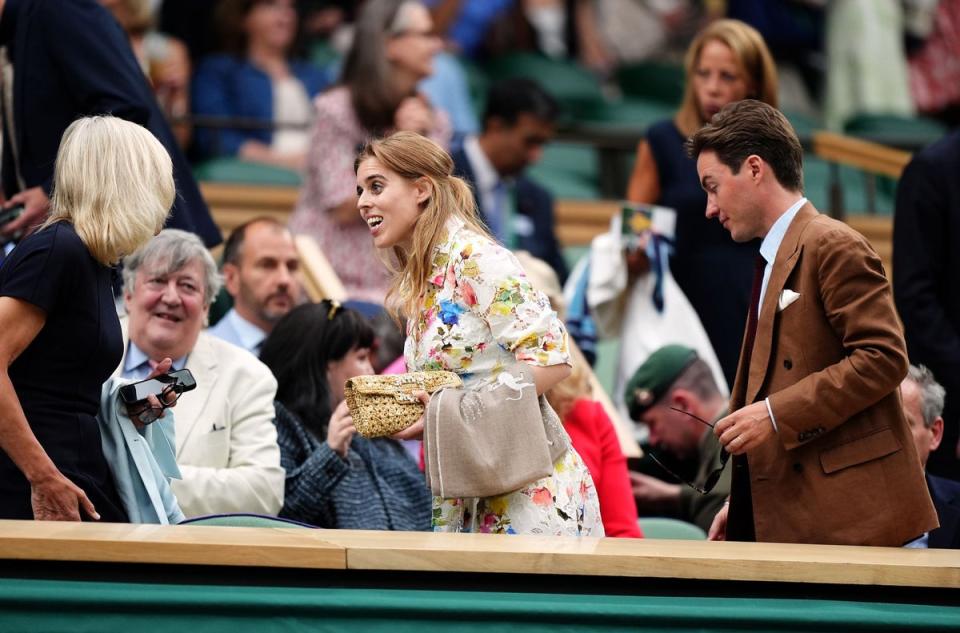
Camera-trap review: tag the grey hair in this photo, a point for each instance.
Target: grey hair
(932, 393)
(169, 251)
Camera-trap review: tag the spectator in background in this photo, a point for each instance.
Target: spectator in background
(926, 286)
(164, 60)
(519, 120)
(866, 61)
(726, 62)
(61, 337)
(226, 442)
(71, 59)
(922, 406)
(393, 48)
(257, 79)
(665, 393)
(261, 274)
(336, 478)
(466, 23)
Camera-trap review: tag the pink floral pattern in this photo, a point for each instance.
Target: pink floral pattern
(479, 313)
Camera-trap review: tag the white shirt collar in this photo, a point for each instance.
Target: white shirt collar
(771, 242)
(249, 334)
(484, 173)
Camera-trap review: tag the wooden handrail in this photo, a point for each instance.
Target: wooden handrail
(865, 155)
(483, 553)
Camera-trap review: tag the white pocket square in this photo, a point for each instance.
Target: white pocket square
(786, 298)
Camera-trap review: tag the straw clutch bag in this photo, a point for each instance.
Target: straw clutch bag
(384, 405)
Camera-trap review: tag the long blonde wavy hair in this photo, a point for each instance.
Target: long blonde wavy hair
(416, 157)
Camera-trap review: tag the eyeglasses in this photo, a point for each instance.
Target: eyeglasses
(149, 414)
(334, 306)
(712, 479)
(414, 33)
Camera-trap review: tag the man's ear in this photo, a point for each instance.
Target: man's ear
(681, 399)
(937, 430)
(755, 166)
(231, 279)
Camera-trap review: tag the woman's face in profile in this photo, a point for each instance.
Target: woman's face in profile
(718, 79)
(388, 203)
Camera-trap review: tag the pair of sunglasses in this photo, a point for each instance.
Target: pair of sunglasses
(712, 479)
(168, 397)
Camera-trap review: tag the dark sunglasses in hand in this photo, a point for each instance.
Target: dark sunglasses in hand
(712, 478)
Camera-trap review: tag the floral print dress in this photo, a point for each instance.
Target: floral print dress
(478, 314)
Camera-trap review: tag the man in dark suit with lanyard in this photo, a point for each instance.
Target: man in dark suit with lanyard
(518, 122)
(66, 59)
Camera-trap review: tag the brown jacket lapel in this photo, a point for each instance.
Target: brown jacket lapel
(787, 256)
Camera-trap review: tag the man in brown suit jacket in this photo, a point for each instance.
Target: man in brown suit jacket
(822, 452)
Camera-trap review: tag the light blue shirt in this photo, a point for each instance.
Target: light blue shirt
(768, 250)
(771, 244)
(233, 328)
(136, 365)
(142, 461)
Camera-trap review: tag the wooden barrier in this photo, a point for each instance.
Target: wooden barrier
(484, 553)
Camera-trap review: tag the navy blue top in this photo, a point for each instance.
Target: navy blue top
(714, 272)
(229, 86)
(58, 376)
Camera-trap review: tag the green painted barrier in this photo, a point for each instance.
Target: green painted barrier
(102, 607)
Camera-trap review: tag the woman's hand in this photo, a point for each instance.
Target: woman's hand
(415, 430)
(718, 529)
(59, 499)
(340, 430)
(413, 115)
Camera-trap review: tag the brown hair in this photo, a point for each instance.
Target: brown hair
(230, 16)
(752, 55)
(749, 127)
(413, 156)
(366, 71)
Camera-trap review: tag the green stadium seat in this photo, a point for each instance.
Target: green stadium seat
(655, 81)
(245, 520)
(574, 87)
(664, 528)
(899, 131)
(234, 170)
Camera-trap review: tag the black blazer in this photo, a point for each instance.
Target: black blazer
(534, 202)
(926, 280)
(946, 499)
(72, 59)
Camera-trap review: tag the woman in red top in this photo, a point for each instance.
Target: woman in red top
(595, 439)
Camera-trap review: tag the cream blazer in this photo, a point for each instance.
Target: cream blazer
(226, 442)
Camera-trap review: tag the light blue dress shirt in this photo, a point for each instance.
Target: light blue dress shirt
(233, 328)
(136, 364)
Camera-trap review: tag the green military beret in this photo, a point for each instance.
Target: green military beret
(654, 377)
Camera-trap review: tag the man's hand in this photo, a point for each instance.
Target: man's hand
(58, 499)
(35, 203)
(745, 429)
(718, 529)
(340, 430)
(651, 491)
(142, 415)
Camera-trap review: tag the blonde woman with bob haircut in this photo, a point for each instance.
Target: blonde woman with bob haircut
(113, 187)
(727, 61)
(470, 309)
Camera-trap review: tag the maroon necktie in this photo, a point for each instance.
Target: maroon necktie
(759, 264)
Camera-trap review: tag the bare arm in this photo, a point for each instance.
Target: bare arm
(644, 183)
(263, 153)
(546, 377)
(53, 496)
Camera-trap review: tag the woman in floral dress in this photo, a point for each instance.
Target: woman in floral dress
(470, 309)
